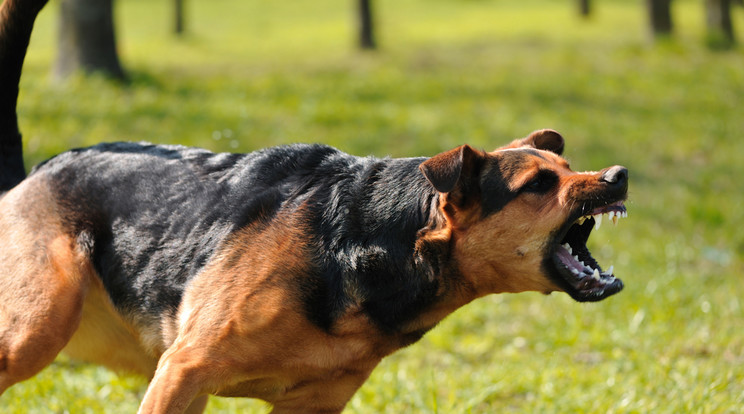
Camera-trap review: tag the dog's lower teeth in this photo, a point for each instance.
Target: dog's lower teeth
(568, 248)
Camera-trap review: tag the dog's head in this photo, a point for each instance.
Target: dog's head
(519, 217)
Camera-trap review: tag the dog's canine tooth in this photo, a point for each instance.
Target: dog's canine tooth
(595, 275)
(597, 221)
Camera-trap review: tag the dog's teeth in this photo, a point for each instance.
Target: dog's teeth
(581, 220)
(597, 221)
(609, 271)
(614, 216)
(595, 275)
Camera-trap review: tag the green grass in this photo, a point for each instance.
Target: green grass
(252, 74)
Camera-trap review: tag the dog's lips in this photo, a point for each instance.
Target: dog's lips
(578, 272)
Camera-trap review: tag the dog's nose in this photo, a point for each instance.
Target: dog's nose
(616, 176)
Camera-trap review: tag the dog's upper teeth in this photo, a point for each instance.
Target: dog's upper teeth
(595, 275)
(614, 216)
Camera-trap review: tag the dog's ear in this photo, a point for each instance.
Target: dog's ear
(455, 173)
(544, 139)
(450, 168)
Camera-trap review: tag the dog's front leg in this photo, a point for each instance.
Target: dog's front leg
(178, 385)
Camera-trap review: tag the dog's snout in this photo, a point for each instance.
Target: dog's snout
(615, 176)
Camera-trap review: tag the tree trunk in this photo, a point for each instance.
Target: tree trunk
(366, 25)
(660, 17)
(179, 18)
(86, 39)
(720, 26)
(585, 8)
(16, 21)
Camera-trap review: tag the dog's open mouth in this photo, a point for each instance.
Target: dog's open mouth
(580, 274)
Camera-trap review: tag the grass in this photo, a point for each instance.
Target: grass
(252, 74)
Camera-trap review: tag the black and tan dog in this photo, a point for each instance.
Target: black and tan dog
(286, 274)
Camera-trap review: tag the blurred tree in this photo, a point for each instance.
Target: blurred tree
(86, 39)
(660, 17)
(16, 20)
(178, 16)
(366, 25)
(720, 26)
(585, 8)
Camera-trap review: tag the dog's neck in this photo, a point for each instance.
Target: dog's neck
(402, 264)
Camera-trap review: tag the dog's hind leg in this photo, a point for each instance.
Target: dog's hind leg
(43, 281)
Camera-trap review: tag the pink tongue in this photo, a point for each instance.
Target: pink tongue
(568, 260)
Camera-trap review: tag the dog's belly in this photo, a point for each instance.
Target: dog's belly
(104, 338)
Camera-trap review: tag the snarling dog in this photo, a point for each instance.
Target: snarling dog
(285, 274)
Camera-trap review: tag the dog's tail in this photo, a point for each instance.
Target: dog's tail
(16, 21)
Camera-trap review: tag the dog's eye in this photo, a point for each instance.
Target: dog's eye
(543, 182)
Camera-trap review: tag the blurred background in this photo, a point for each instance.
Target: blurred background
(655, 85)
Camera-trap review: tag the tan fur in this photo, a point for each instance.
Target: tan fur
(242, 336)
(43, 282)
(104, 338)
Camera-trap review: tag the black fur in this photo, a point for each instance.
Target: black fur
(153, 216)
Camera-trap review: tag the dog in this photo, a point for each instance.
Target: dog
(284, 274)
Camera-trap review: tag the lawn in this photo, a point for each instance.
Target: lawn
(253, 73)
